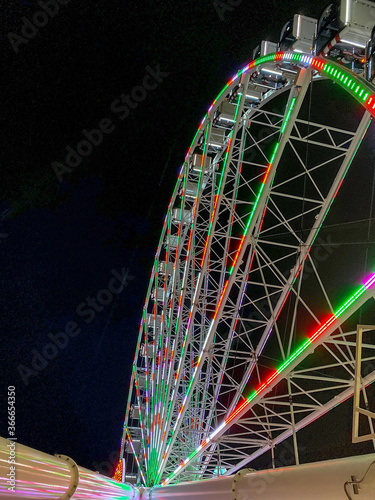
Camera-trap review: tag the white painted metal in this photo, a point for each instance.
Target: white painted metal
(359, 14)
(317, 481)
(358, 386)
(210, 340)
(271, 415)
(304, 31)
(39, 475)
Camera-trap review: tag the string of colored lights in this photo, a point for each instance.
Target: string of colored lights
(143, 328)
(369, 283)
(348, 80)
(183, 291)
(344, 77)
(168, 322)
(140, 410)
(147, 402)
(163, 430)
(153, 369)
(119, 471)
(154, 406)
(171, 302)
(157, 386)
(225, 289)
(168, 249)
(135, 455)
(150, 393)
(180, 413)
(158, 406)
(130, 394)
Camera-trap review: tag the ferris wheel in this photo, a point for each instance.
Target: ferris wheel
(249, 325)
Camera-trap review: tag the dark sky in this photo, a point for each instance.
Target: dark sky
(61, 242)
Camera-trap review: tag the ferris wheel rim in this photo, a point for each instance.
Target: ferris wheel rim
(368, 103)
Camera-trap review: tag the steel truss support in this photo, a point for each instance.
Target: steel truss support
(296, 97)
(228, 300)
(271, 415)
(276, 288)
(359, 383)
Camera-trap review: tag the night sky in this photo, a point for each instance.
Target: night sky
(66, 233)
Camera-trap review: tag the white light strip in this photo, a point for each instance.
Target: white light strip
(354, 43)
(265, 70)
(347, 15)
(299, 26)
(213, 434)
(307, 59)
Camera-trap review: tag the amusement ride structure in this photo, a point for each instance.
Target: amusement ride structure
(246, 336)
(257, 321)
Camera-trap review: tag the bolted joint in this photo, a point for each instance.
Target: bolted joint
(74, 477)
(236, 479)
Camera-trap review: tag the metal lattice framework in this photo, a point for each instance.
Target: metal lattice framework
(238, 299)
